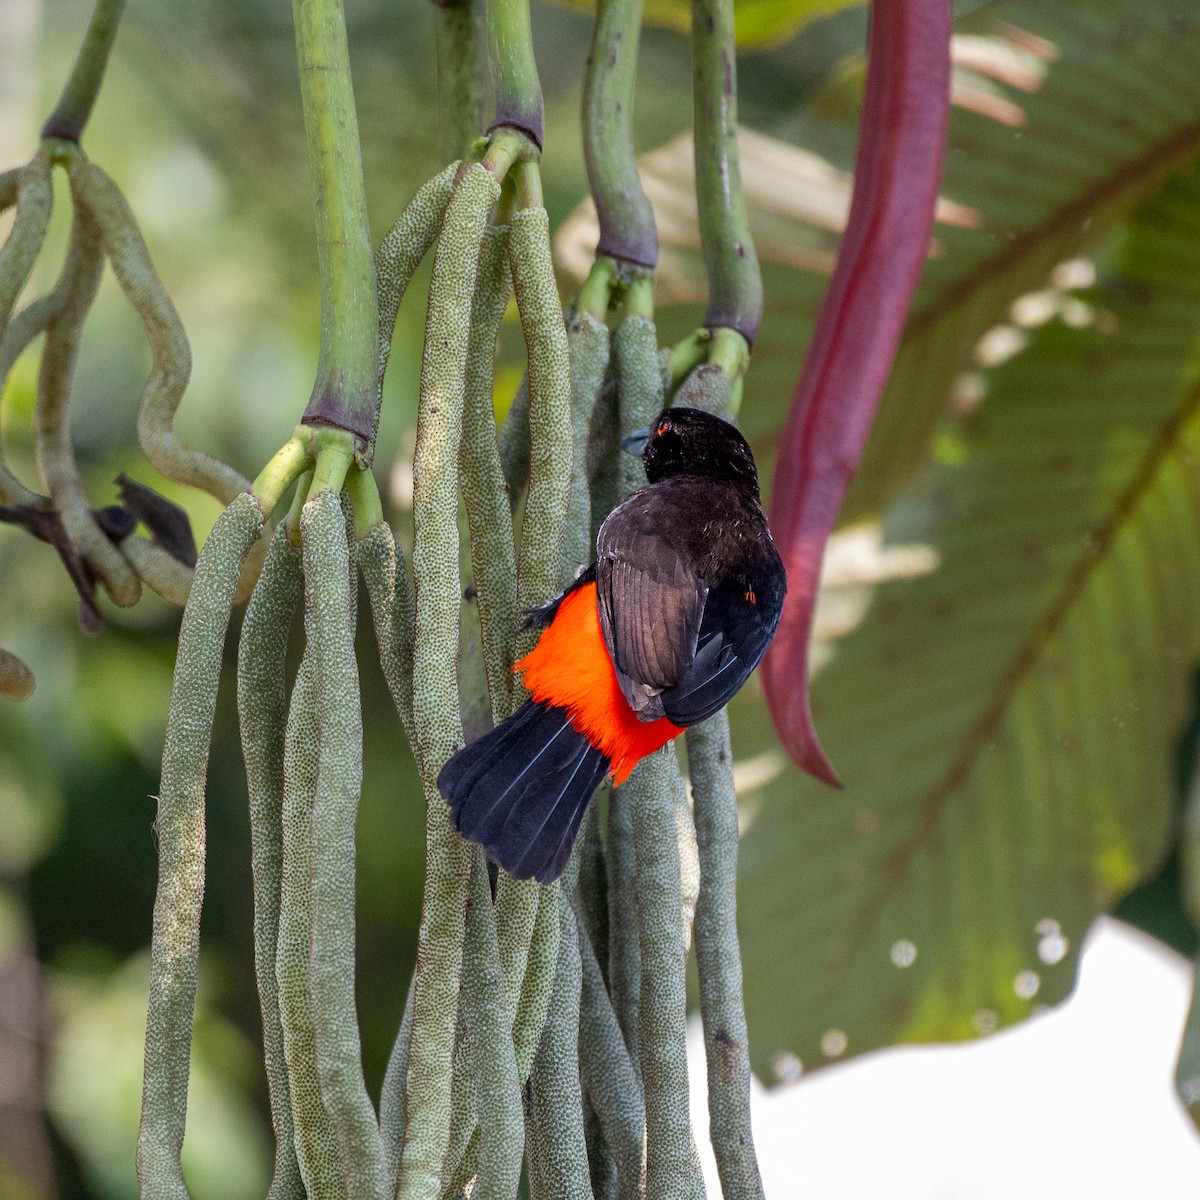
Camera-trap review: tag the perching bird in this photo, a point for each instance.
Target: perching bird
(657, 634)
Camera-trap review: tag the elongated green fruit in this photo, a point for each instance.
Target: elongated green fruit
(175, 942)
(95, 192)
(498, 1093)
(392, 1115)
(390, 592)
(78, 284)
(639, 390)
(316, 1147)
(587, 340)
(541, 570)
(403, 249)
(262, 717)
(672, 1166)
(624, 939)
(538, 985)
(514, 443)
(718, 958)
(608, 1073)
(27, 325)
(29, 188)
(707, 387)
(493, 555)
(435, 708)
(329, 633)
(557, 1097)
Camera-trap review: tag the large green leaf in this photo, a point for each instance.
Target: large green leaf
(1004, 722)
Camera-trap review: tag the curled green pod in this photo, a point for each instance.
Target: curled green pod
(493, 556)
(603, 450)
(329, 633)
(718, 959)
(403, 248)
(435, 708)
(163, 573)
(30, 189)
(639, 390)
(489, 1032)
(31, 322)
(77, 287)
(588, 343)
(540, 569)
(262, 717)
(175, 942)
(609, 1076)
(93, 191)
(555, 1090)
(316, 1147)
(390, 592)
(672, 1165)
(16, 679)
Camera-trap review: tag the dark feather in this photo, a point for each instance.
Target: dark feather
(521, 790)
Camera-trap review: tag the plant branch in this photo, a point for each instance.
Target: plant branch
(75, 105)
(627, 228)
(345, 394)
(514, 70)
(460, 73)
(735, 284)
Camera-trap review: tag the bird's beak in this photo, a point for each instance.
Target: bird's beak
(635, 443)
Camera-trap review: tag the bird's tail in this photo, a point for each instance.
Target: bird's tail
(521, 790)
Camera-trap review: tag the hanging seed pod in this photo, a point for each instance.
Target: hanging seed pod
(175, 944)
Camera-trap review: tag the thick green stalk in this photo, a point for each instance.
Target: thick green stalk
(460, 72)
(718, 959)
(71, 113)
(329, 633)
(175, 942)
(262, 716)
(30, 189)
(627, 228)
(734, 281)
(588, 343)
(346, 394)
(514, 71)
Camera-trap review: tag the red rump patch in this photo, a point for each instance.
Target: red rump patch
(570, 668)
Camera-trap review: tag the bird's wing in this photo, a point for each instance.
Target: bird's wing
(651, 603)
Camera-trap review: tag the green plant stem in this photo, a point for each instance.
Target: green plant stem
(175, 943)
(627, 228)
(460, 72)
(262, 716)
(734, 281)
(514, 70)
(346, 393)
(71, 113)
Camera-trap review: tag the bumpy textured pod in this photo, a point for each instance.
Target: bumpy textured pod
(29, 188)
(588, 342)
(672, 1166)
(329, 633)
(175, 943)
(262, 716)
(316, 1147)
(402, 250)
(485, 495)
(639, 390)
(27, 325)
(435, 709)
(708, 387)
(718, 958)
(95, 192)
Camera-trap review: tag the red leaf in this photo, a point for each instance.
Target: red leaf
(898, 166)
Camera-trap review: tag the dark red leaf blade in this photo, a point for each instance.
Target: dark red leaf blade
(898, 167)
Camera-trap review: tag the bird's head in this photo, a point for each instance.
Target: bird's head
(689, 441)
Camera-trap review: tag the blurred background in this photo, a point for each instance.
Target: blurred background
(1047, 381)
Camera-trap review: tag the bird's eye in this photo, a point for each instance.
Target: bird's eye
(661, 428)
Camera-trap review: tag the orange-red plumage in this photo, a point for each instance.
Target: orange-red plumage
(570, 668)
